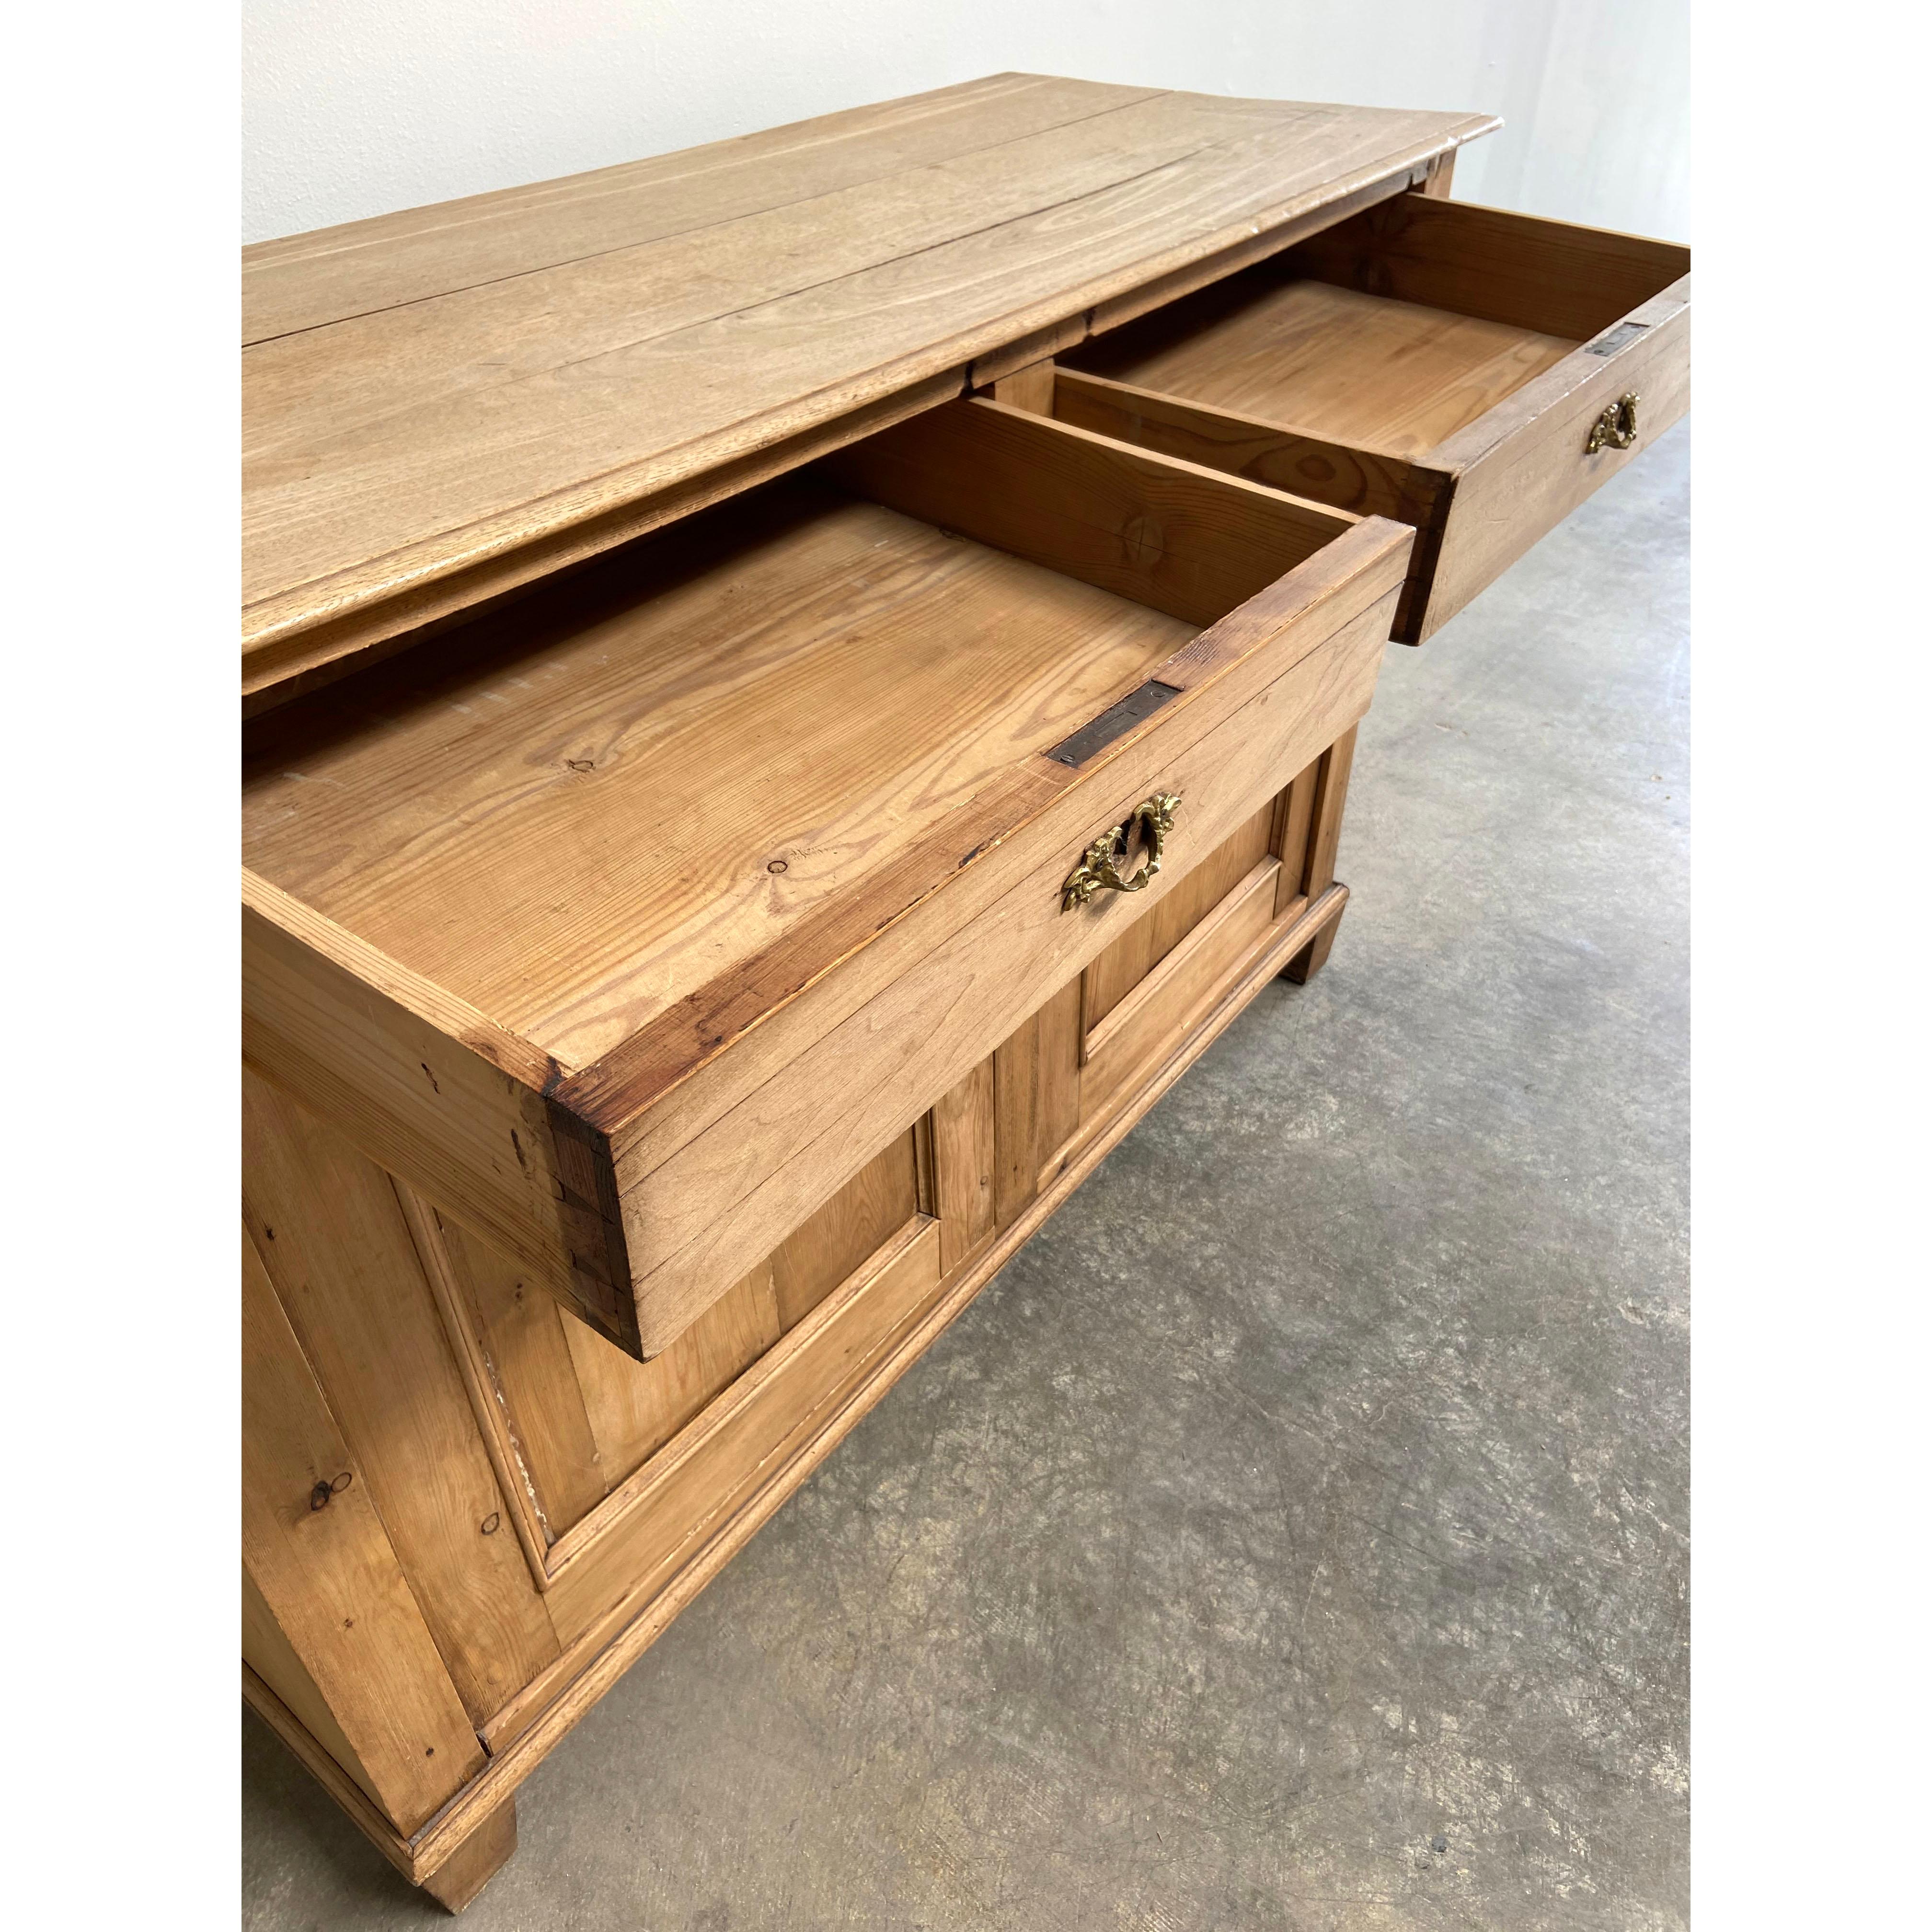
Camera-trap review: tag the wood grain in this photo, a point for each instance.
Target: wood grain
(1522, 469)
(692, 926)
(455, 1883)
(965, 1157)
(1267, 452)
(1016, 1109)
(1175, 994)
(653, 774)
(1115, 972)
(1290, 843)
(1426, 359)
(636, 1408)
(292, 663)
(330, 1229)
(1518, 270)
(1326, 805)
(381, 1080)
(633, 1617)
(827, 1102)
(533, 1380)
(1060, 1028)
(858, 1220)
(316, 1759)
(1380, 374)
(306, 281)
(435, 1091)
(330, 1580)
(1331, 794)
(1173, 535)
(660, 1093)
(435, 423)
(661, 1519)
(266, 1650)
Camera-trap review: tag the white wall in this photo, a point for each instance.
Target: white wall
(357, 107)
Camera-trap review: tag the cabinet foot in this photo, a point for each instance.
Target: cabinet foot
(1312, 957)
(476, 1860)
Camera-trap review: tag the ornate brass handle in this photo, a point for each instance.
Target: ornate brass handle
(1616, 427)
(1099, 866)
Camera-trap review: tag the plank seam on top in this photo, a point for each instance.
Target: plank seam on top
(592, 476)
(627, 347)
(266, 257)
(698, 228)
(1214, 143)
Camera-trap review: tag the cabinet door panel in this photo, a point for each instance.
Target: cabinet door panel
(577, 1415)
(1155, 934)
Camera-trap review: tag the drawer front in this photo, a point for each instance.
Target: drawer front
(741, 1153)
(1519, 470)
(1437, 362)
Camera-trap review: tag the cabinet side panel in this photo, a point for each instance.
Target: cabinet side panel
(266, 1650)
(331, 1231)
(326, 1575)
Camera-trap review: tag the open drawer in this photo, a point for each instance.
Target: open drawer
(1474, 373)
(629, 922)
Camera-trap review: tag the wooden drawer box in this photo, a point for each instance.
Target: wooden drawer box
(1446, 364)
(628, 923)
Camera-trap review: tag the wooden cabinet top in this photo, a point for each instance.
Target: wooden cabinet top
(441, 405)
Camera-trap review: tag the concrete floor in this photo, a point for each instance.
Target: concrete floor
(1293, 1535)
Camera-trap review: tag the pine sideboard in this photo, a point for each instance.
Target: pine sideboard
(789, 689)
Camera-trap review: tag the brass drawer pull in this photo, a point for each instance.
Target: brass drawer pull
(1616, 427)
(1098, 867)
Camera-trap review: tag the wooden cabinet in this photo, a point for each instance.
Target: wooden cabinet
(743, 810)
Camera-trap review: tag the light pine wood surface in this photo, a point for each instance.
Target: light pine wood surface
(578, 822)
(323, 1584)
(426, 392)
(1393, 378)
